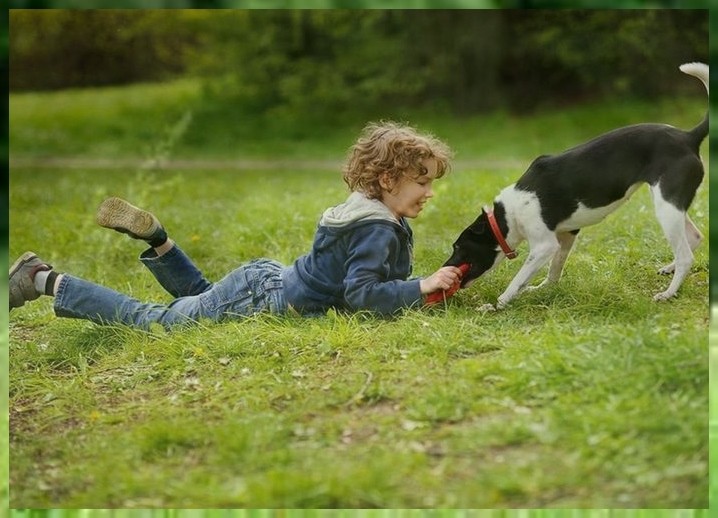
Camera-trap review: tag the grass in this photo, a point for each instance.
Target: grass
(586, 394)
(138, 122)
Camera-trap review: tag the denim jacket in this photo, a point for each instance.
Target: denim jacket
(361, 259)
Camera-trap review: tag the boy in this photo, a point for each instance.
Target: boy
(361, 258)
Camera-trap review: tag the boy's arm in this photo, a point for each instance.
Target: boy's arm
(371, 270)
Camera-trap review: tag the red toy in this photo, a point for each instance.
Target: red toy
(442, 295)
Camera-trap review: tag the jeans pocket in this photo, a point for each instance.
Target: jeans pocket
(233, 294)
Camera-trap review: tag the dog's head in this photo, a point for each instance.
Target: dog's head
(475, 246)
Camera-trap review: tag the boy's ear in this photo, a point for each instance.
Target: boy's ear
(385, 181)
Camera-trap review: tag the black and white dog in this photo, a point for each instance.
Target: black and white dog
(560, 194)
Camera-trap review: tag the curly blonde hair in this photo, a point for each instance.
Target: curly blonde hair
(395, 149)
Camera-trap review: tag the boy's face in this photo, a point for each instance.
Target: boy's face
(407, 197)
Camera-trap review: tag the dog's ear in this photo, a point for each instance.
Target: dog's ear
(479, 224)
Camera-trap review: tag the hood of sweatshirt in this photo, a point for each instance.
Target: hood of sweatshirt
(355, 209)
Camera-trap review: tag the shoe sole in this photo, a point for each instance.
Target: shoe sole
(117, 214)
(21, 261)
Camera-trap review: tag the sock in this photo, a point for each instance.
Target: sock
(50, 284)
(160, 240)
(45, 281)
(40, 280)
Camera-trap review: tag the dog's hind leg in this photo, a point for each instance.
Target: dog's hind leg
(694, 237)
(675, 225)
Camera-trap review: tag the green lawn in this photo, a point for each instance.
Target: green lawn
(585, 394)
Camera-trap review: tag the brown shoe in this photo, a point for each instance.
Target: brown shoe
(122, 216)
(22, 279)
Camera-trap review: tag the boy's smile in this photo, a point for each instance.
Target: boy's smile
(408, 196)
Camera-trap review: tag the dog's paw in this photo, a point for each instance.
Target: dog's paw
(486, 308)
(667, 269)
(502, 302)
(665, 295)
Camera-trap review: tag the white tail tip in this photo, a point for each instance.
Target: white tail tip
(699, 70)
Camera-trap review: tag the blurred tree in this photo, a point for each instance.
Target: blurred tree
(312, 61)
(208, 4)
(93, 4)
(4, 153)
(602, 4)
(579, 53)
(366, 4)
(463, 60)
(461, 69)
(65, 48)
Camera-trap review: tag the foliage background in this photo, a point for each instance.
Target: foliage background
(301, 61)
(354, 4)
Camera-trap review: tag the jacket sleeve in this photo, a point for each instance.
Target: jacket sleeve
(376, 279)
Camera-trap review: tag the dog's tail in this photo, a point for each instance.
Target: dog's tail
(699, 70)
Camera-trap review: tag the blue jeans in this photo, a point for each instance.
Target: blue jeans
(250, 289)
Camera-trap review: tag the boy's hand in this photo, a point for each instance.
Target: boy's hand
(443, 284)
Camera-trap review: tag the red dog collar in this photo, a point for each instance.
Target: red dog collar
(511, 254)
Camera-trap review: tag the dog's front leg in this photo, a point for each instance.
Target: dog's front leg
(540, 253)
(566, 241)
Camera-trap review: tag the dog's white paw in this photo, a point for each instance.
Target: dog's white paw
(667, 269)
(665, 295)
(486, 308)
(502, 302)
